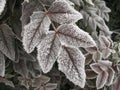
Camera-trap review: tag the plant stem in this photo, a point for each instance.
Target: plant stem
(46, 11)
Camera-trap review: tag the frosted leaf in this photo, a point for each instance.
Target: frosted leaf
(105, 73)
(106, 53)
(104, 64)
(48, 51)
(62, 12)
(90, 74)
(72, 63)
(71, 35)
(27, 11)
(116, 85)
(104, 41)
(96, 68)
(94, 20)
(101, 79)
(2, 5)
(88, 58)
(7, 41)
(101, 24)
(91, 49)
(2, 64)
(97, 56)
(103, 10)
(35, 30)
(110, 79)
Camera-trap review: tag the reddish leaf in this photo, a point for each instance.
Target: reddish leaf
(96, 68)
(111, 74)
(88, 58)
(101, 79)
(90, 74)
(97, 56)
(116, 85)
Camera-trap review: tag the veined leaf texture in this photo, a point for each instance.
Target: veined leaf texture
(62, 12)
(48, 51)
(35, 30)
(71, 62)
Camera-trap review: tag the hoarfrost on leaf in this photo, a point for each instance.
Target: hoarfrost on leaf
(35, 30)
(101, 79)
(62, 12)
(27, 11)
(48, 51)
(110, 78)
(104, 41)
(71, 62)
(72, 35)
(105, 73)
(116, 84)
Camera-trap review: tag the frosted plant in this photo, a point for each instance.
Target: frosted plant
(48, 43)
(105, 73)
(67, 37)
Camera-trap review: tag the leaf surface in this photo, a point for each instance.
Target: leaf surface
(7, 41)
(35, 30)
(101, 79)
(71, 35)
(116, 85)
(62, 12)
(27, 11)
(111, 75)
(71, 62)
(48, 51)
